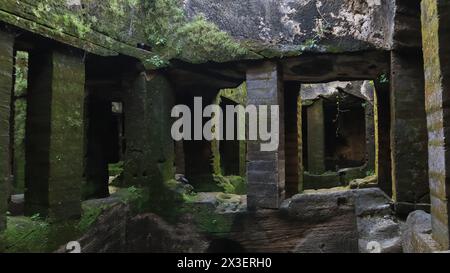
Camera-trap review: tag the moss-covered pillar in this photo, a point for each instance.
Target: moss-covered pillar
(408, 131)
(149, 155)
(316, 137)
(55, 134)
(436, 34)
(266, 170)
(6, 80)
(136, 130)
(162, 100)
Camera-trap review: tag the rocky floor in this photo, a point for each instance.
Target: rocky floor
(315, 221)
(379, 230)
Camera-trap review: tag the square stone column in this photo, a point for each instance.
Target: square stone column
(436, 34)
(149, 155)
(98, 147)
(55, 134)
(408, 132)
(137, 134)
(6, 87)
(316, 138)
(266, 170)
(383, 139)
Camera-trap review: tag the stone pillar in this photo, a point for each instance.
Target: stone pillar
(55, 134)
(162, 100)
(408, 132)
(265, 170)
(383, 139)
(292, 140)
(136, 130)
(436, 32)
(301, 167)
(98, 135)
(200, 161)
(6, 80)
(370, 136)
(149, 155)
(316, 138)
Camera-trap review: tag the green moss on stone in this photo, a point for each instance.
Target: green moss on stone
(207, 220)
(232, 184)
(38, 235)
(117, 28)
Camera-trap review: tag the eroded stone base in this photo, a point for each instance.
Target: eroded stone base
(417, 236)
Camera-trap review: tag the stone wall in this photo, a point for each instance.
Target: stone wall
(6, 81)
(436, 31)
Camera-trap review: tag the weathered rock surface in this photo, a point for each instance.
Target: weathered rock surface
(150, 233)
(108, 234)
(376, 222)
(221, 202)
(284, 25)
(367, 182)
(305, 223)
(374, 216)
(371, 202)
(331, 219)
(108, 201)
(417, 236)
(115, 231)
(16, 205)
(383, 230)
(361, 89)
(326, 221)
